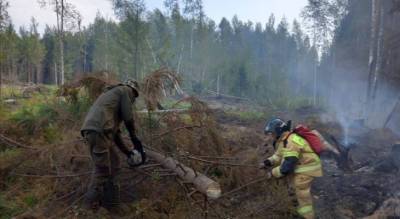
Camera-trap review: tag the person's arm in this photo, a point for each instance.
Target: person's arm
(290, 156)
(130, 126)
(120, 143)
(127, 117)
(275, 159)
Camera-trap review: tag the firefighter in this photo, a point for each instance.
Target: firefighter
(293, 156)
(102, 133)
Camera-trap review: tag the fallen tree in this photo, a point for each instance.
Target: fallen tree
(203, 184)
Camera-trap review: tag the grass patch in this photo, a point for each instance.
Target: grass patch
(30, 200)
(33, 117)
(171, 103)
(247, 115)
(8, 208)
(8, 157)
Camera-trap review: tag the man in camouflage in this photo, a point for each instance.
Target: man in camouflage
(101, 130)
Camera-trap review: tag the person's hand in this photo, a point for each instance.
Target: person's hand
(135, 158)
(265, 164)
(137, 144)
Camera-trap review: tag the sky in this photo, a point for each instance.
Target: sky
(21, 11)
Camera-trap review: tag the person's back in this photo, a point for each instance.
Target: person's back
(107, 113)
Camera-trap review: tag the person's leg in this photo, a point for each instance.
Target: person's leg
(112, 187)
(302, 184)
(100, 157)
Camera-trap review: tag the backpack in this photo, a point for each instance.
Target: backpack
(311, 136)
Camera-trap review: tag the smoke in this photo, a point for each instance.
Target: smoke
(347, 101)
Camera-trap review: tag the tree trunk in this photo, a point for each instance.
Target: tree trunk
(62, 44)
(60, 26)
(218, 85)
(315, 84)
(372, 48)
(1, 81)
(203, 184)
(180, 60)
(137, 44)
(55, 73)
(379, 52)
(107, 50)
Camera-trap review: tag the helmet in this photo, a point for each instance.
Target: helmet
(276, 126)
(134, 85)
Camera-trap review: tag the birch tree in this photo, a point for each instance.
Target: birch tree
(67, 15)
(322, 18)
(375, 48)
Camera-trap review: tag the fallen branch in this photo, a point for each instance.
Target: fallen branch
(11, 143)
(221, 163)
(52, 176)
(202, 183)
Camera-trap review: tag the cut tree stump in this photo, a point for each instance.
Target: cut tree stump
(202, 183)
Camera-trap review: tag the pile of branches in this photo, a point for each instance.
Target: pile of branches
(94, 84)
(156, 85)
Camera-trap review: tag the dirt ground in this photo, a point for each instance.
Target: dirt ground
(366, 188)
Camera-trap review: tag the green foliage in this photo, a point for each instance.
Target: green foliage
(31, 200)
(8, 208)
(9, 154)
(234, 57)
(171, 103)
(79, 108)
(51, 133)
(32, 117)
(8, 157)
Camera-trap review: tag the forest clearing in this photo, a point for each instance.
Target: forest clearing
(160, 112)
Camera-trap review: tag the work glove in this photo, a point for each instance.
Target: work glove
(136, 158)
(267, 163)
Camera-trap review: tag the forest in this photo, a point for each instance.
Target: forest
(206, 90)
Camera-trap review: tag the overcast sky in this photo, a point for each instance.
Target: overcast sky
(21, 11)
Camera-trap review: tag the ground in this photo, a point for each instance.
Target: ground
(50, 182)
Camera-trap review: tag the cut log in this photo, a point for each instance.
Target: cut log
(203, 184)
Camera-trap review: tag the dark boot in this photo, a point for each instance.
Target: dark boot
(92, 197)
(111, 198)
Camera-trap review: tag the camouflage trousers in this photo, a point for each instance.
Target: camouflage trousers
(302, 185)
(106, 163)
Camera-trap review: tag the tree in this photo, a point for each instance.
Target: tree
(4, 22)
(130, 13)
(66, 18)
(4, 17)
(322, 17)
(376, 48)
